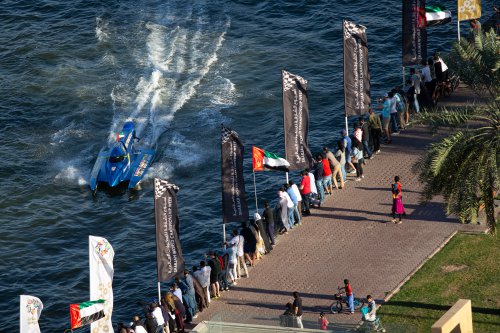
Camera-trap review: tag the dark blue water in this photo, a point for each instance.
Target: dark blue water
(72, 72)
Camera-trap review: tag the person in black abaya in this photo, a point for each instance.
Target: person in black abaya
(250, 245)
(263, 233)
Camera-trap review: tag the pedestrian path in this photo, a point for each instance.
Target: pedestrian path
(350, 236)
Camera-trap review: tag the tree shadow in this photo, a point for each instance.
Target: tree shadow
(349, 218)
(475, 309)
(387, 189)
(359, 211)
(428, 212)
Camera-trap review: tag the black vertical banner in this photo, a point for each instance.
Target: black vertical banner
(414, 32)
(296, 121)
(169, 259)
(356, 70)
(234, 204)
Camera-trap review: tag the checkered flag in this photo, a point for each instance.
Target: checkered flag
(162, 185)
(290, 80)
(226, 134)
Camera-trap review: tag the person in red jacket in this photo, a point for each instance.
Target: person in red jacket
(305, 190)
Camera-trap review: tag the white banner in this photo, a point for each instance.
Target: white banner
(101, 280)
(30, 310)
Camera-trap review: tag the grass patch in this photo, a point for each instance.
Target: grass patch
(467, 267)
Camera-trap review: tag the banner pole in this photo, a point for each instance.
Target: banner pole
(458, 28)
(404, 79)
(224, 232)
(159, 293)
(346, 128)
(286, 175)
(255, 192)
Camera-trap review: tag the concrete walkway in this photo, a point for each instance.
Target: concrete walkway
(350, 236)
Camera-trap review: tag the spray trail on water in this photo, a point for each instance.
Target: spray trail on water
(178, 58)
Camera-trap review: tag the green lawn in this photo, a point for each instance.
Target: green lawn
(467, 267)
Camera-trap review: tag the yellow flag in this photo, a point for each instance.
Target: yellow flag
(469, 9)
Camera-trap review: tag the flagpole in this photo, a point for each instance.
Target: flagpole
(286, 175)
(159, 293)
(343, 75)
(458, 28)
(255, 192)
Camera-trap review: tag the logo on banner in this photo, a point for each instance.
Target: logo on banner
(469, 9)
(102, 248)
(32, 306)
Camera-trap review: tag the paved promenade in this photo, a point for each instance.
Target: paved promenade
(350, 236)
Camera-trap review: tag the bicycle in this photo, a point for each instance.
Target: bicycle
(341, 299)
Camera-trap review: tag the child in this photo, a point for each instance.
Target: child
(397, 203)
(350, 295)
(323, 323)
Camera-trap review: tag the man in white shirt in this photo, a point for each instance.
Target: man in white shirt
(290, 206)
(314, 189)
(158, 315)
(239, 241)
(205, 283)
(296, 191)
(176, 291)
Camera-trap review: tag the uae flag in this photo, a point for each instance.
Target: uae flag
(296, 121)
(356, 71)
(85, 313)
(437, 15)
(267, 161)
(414, 32)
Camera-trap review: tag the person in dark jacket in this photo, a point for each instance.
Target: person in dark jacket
(250, 244)
(268, 218)
(150, 323)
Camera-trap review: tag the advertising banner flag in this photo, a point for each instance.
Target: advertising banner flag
(234, 204)
(469, 9)
(356, 71)
(263, 160)
(101, 256)
(414, 32)
(30, 309)
(296, 121)
(169, 259)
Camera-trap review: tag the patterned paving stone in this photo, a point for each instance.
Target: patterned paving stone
(350, 236)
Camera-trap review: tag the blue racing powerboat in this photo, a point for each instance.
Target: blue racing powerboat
(124, 162)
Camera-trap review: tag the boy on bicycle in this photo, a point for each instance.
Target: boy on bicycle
(350, 295)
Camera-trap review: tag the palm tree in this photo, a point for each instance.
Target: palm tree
(478, 63)
(463, 166)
